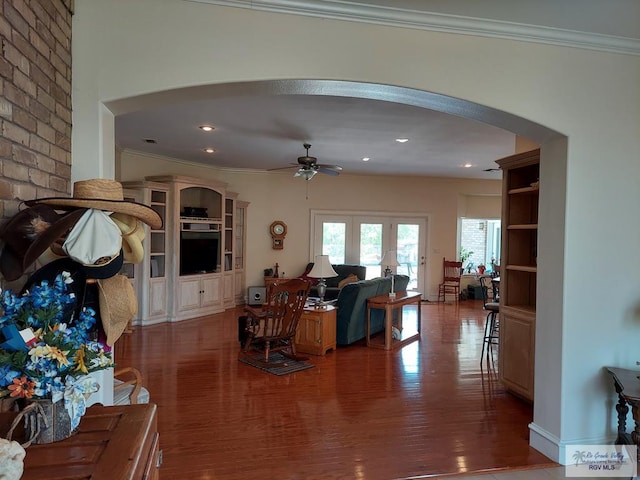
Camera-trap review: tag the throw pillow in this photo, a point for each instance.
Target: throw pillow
(352, 277)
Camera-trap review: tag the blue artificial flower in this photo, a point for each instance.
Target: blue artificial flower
(7, 374)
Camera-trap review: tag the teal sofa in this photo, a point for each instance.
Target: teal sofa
(352, 307)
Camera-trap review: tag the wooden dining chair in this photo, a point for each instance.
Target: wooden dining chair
(451, 273)
(272, 327)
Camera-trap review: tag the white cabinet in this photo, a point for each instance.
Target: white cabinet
(194, 264)
(229, 249)
(200, 293)
(240, 219)
(229, 288)
(151, 275)
(157, 297)
(200, 228)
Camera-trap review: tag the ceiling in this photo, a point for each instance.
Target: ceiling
(262, 131)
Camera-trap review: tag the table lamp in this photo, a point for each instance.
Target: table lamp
(322, 269)
(389, 259)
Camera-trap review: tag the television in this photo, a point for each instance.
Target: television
(199, 252)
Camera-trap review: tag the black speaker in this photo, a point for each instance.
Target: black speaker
(257, 295)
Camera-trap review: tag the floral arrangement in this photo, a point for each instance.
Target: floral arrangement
(47, 353)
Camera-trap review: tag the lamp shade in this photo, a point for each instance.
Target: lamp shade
(389, 259)
(322, 268)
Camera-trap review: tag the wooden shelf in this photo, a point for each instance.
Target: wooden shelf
(523, 226)
(522, 268)
(531, 309)
(518, 279)
(523, 190)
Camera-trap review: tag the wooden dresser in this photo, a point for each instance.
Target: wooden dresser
(119, 442)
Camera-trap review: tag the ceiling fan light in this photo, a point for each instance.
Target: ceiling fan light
(306, 174)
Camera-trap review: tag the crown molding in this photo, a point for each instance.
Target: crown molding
(396, 17)
(191, 163)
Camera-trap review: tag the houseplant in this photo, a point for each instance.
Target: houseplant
(464, 256)
(50, 347)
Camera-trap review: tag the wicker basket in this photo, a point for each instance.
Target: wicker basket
(44, 422)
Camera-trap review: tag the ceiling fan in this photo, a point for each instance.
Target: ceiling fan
(308, 166)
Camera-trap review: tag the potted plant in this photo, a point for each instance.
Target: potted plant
(481, 268)
(464, 256)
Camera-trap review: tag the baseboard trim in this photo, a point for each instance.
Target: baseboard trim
(550, 445)
(545, 442)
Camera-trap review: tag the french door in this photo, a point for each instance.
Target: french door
(364, 240)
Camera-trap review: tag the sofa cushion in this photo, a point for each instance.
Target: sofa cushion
(332, 283)
(349, 279)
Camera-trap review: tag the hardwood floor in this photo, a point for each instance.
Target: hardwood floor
(361, 413)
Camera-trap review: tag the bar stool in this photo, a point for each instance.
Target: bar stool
(491, 326)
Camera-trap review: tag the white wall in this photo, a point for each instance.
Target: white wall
(280, 196)
(587, 223)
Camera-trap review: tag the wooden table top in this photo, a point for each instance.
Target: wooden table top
(108, 445)
(400, 299)
(628, 381)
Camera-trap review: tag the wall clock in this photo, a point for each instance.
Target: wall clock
(278, 230)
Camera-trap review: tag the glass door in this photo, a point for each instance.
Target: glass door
(410, 248)
(363, 240)
(371, 243)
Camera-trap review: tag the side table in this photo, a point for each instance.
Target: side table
(317, 330)
(389, 304)
(627, 385)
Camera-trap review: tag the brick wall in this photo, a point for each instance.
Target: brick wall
(35, 101)
(473, 236)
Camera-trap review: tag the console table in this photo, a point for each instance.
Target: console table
(389, 305)
(119, 442)
(627, 385)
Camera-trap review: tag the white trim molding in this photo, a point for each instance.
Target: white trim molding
(406, 18)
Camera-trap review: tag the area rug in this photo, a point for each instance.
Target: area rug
(289, 366)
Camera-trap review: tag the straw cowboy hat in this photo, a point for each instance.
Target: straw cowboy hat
(29, 233)
(132, 232)
(118, 305)
(102, 194)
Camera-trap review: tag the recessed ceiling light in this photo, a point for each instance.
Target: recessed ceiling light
(206, 128)
(209, 150)
(467, 165)
(402, 140)
(366, 159)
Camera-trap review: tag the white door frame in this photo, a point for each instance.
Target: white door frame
(319, 216)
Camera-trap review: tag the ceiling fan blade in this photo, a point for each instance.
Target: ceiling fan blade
(333, 170)
(293, 165)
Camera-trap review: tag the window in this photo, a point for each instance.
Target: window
(482, 236)
(334, 241)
